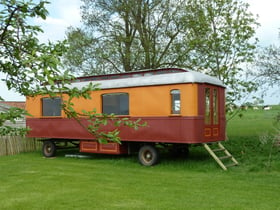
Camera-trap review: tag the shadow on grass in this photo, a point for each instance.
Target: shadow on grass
(196, 158)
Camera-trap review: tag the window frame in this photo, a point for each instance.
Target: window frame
(54, 107)
(121, 105)
(175, 101)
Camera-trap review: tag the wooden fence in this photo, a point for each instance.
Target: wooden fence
(10, 145)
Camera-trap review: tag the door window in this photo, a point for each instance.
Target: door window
(207, 119)
(215, 107)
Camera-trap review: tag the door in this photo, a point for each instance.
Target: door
(212, 113)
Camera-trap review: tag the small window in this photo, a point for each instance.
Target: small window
(115, 103)
(51, 106)
(175, 102)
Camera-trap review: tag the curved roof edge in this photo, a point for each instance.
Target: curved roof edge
(155, 79)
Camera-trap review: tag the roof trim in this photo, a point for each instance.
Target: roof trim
(180, 77)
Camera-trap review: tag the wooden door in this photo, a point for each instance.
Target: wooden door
(211, 113)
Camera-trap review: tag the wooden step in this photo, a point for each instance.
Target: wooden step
(230, 165)
(225, 157)
(218, 150)
(220, 158)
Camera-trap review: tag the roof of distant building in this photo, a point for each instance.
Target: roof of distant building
(8, 104)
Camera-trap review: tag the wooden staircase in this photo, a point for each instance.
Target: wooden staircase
(221, 155)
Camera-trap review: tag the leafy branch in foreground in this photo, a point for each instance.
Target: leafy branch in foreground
(32, 68)
(21, 54)
(10, 116)
(97, 121)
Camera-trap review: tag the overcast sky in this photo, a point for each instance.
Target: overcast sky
(65, 13)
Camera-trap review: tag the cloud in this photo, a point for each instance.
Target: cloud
(50, 21)
(54, 29)
(269, 18)
(71, 13)
(65, 13)
(62, 14)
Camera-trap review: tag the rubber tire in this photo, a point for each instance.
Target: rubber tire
(148, 155)
(49, 149)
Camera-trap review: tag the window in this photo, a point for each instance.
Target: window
(175, 102)
(207, 106)
(51, 106)
(115, 103)
(215, 107)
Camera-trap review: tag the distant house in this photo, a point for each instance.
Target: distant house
(267, 108)
(18, 104)
(6, 105)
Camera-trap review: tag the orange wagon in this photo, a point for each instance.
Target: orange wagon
(181, 107)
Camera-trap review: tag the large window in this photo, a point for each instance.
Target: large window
(51, 106)
(175, 102)
(115, 103)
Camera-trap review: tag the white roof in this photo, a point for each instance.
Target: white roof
(154, 79)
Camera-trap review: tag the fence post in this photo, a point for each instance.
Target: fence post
(6, 145)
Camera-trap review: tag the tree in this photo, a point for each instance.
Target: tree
(213, 37)
(221, 37)
(267, 66)
(28, 64)
(127, 35)
(266, 70)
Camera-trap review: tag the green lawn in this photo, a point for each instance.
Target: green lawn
(253, 122)
(252, 139)
(29, 181)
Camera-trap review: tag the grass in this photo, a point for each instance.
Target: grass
(252, 139)
(29, 181)
(253, 122)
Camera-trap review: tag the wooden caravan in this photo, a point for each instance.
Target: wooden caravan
(181, 107)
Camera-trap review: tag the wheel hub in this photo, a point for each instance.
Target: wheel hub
(148, 156)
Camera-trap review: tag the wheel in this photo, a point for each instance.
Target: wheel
(49, 149)
(148, 155)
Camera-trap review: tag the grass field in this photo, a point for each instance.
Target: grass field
(29, 181)
(252, 139)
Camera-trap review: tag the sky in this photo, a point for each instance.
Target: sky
(65, 13)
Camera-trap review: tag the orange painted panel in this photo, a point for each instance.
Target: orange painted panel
(33, 106)
(150, 101)
(143, 101)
